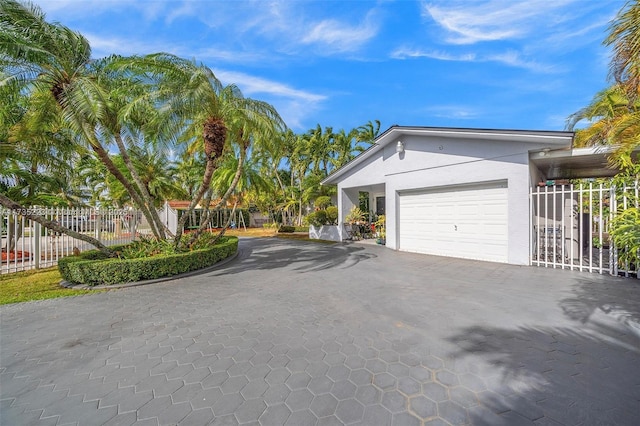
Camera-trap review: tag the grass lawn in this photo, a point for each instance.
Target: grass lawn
(34, 285)
(251, 232)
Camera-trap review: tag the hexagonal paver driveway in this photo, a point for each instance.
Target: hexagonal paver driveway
(294, 333)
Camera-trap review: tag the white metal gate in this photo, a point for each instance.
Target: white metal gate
(26, 244)
(570, 226)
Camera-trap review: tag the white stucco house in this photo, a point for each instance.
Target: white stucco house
(460, 192)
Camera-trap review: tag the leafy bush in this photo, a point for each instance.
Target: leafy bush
(147, 247)
(302, 229)
(323, 217)
(322, 202)
(625, 234)
(317, 219)
(95, 268)
(287, 229)
(332, 215)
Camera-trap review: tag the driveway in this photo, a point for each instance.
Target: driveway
(302, 334)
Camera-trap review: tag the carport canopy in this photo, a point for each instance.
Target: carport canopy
(575, 163)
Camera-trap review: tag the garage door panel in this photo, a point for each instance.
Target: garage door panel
(469, 222)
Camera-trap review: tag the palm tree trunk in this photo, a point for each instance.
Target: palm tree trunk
(54, 226)
(225, 197)
(226, 225)
(157, 223)
(207, 207)
(103, 155)
(206, 183)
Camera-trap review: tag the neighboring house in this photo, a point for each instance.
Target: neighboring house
(460, 192)
(172, 210)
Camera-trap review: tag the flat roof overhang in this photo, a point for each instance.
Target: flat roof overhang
(575, 163)
(551, 139)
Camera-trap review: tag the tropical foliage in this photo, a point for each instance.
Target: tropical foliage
(136, 131)
(613, 119)
(613, 116)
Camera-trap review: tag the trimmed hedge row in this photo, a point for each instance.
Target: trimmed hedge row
(94, 268)
(287, 229)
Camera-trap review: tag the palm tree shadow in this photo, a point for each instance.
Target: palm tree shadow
(615, 297)
(301, 257)
(585, 375)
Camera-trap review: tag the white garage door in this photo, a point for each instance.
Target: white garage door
(468, 222)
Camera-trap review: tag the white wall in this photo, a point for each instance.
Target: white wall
(440, 162)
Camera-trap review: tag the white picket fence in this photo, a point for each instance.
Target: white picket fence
(28, 245)
(570, 226)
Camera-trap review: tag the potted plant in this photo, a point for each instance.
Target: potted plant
(381, 230)
(355, 216)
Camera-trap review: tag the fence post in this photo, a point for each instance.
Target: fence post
(36, 244)
(97, 224)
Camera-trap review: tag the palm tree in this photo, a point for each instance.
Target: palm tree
(614, 119)
(367, 133)
(624, 36)
(614, 113)
(343, 147)
(205, 110)
(319, 146)
(188, 174)
(53, 64)
(156, 172)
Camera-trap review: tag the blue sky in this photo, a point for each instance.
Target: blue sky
(457, 63)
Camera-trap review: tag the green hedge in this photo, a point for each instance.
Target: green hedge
(287, 229)
(94, 268)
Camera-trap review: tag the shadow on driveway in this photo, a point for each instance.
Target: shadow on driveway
(572, 375)
(298, 256)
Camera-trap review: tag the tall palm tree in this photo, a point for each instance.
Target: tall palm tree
(52, 62)
(343, 147)
(206, 111)
(367, 133)
(614, 113)
(615, 120)
(624, 37)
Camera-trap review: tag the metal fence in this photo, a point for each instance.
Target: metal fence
(28, 245)
(570, 226)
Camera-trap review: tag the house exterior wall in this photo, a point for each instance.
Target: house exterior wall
(430, 162)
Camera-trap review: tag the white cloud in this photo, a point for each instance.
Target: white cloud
(101, 46)
(511, 58)
(339, 36)
(457, 112)
(404, 53)
(473, 22)
(251, 84)
(294, 105)
(514, 59)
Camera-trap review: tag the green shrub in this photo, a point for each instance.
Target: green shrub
(332, 215)
(323, 217)
(287, 229)
(322, 202)
(625, 234)
(302, 229)
(317, 218)
(94, 268)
